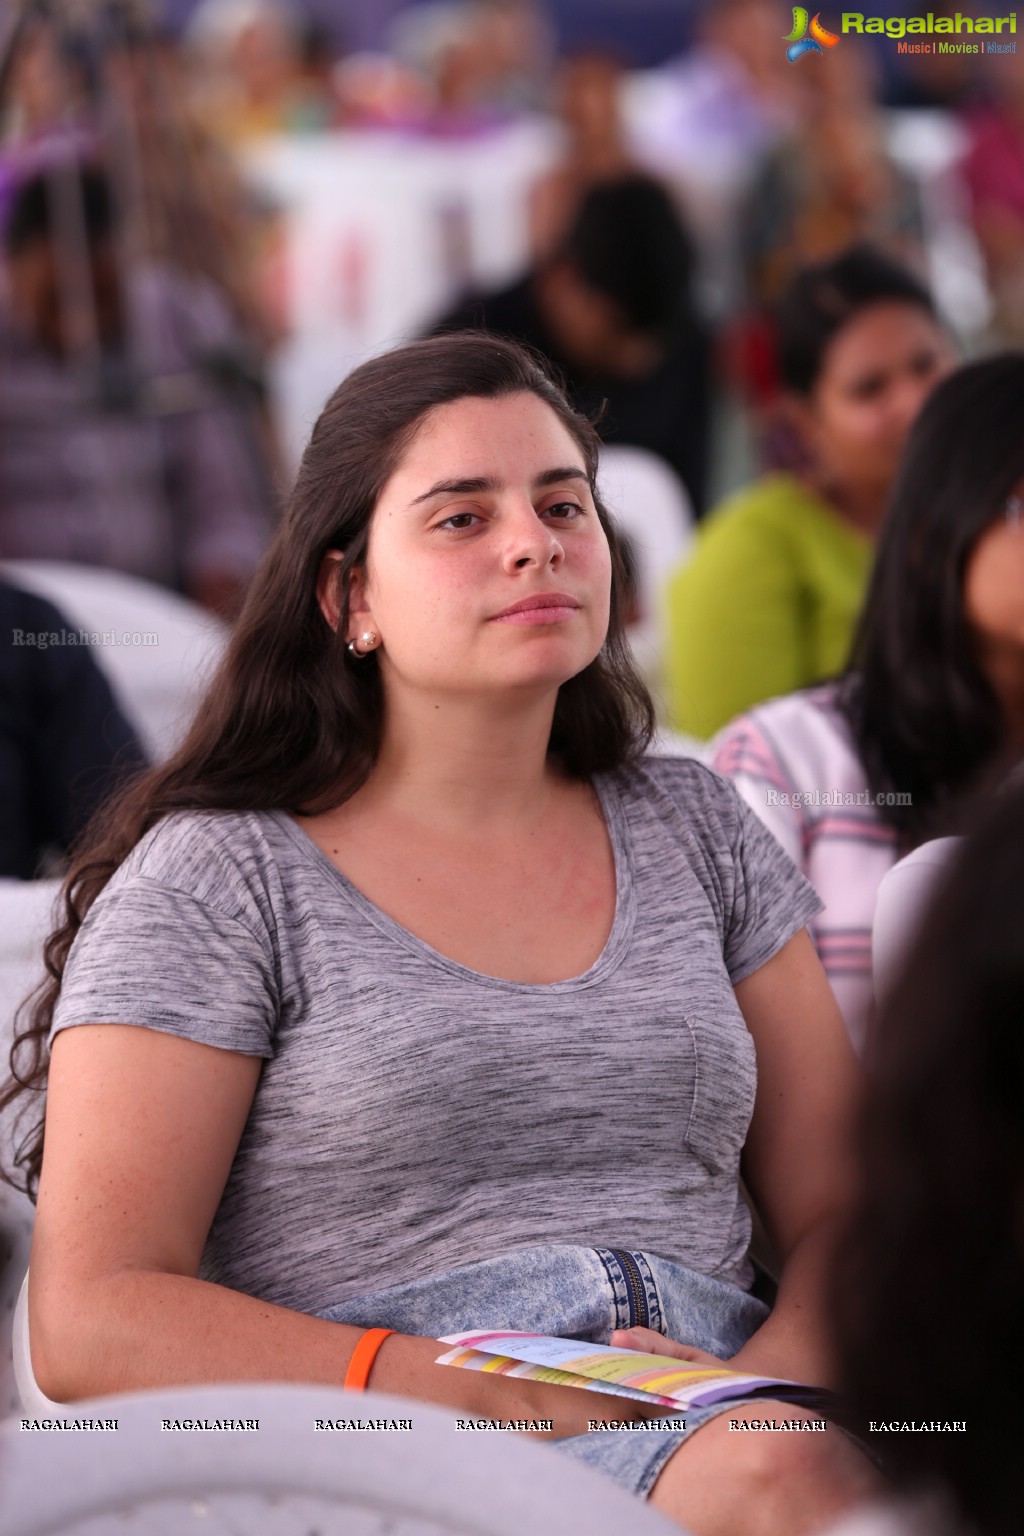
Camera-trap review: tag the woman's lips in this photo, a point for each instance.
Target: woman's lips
(551, 608)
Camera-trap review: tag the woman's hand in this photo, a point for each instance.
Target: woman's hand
(648, 1342)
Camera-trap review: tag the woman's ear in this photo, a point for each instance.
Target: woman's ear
(327, 593)
(795, 420)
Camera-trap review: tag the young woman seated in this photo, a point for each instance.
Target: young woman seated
(412, 994)
(851, 775)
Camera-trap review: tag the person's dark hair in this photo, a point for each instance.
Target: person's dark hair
(628, 242)
(925, 720)
(32, 214)
(822, 299)
(290, 720)
(929, 1278)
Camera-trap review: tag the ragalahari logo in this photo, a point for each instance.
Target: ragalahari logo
(800, 43)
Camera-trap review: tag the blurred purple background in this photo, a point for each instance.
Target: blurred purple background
(644, 32)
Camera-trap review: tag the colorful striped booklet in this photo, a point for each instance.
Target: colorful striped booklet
(618, 1372)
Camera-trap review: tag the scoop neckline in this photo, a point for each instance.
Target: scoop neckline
(608, 960)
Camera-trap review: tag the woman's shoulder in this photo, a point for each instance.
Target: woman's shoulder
(817, 710)
(705, 801)
(769, 502)
(225, 860)
(805, 732)
(680, 807)
(757, 532)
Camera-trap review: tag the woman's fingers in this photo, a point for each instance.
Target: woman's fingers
(650, 1343)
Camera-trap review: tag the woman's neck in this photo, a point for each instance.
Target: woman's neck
(462, 764)
(1003, 666)
(863, 507)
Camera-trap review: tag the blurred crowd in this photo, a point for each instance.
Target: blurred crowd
(797, 287)
(664, 244)
(752, 269)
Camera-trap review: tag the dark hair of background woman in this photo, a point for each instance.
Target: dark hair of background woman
(824, 297)
(925, 719)
(929, 1281)
(290, 720)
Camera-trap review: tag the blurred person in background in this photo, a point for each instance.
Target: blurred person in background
(942, 81)
(119, 447)
(994, 173)
(768, 602)
(188, 207)
(252, 74)
(40, 89)
(611, 308)
(64, 743)
(588, 104)
(481, 61)
(193, 211)
(931, 707)
(828, 183)
(935, 1250)
(713, 113)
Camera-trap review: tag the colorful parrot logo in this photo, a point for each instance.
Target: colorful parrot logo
(800, 43)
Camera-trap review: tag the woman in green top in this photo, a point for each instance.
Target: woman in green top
(768, 602)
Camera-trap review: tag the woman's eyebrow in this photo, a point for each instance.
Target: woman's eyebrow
(489, 483)
(564, 472)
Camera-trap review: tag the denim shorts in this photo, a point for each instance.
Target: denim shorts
(578, 1293)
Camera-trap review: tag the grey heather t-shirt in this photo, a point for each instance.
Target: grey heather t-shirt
(413, 1115)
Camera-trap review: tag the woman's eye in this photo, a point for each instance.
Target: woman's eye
(867, 389)
(566, 509)
(459, 520)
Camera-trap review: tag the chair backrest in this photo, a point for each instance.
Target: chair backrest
(650, 505)
(288, 1476)
(903, 898)
(29, 1396)
(158, 648)
(17, 1215)
(25, 920)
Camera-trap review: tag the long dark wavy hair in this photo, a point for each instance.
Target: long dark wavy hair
(924, 717)
(289, 720)
(928, 1287)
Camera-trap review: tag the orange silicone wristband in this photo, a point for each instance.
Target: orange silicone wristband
(363, 1356)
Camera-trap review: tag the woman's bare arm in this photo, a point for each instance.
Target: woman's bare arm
(141, 1132)
(798, 1157)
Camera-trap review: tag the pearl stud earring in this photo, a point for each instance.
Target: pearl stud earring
(368, 641)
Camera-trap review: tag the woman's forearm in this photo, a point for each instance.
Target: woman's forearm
(140, 1328)
(794, 1340)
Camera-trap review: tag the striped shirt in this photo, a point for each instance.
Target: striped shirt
(414, 1115)
(794, 762)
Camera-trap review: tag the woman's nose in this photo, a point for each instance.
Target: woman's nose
(908, 398)
(531, 541)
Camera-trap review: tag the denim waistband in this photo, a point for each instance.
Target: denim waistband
(570, 1291)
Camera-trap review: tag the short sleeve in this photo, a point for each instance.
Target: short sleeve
(174, 960)
(771, 899)
(745, 753)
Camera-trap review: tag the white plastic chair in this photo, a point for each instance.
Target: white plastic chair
(903, 899)
(25, 921)
(650, 504)
(158, 685)
(17, 1216)
(289, 1479)
(31, 1398)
